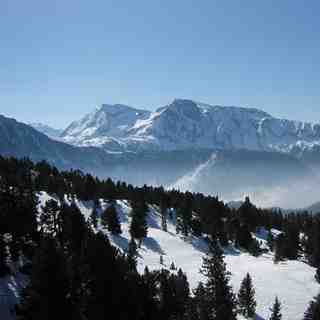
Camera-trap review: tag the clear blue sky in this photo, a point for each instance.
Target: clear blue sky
(61, 58)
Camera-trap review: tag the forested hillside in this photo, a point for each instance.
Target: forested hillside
(81, 252)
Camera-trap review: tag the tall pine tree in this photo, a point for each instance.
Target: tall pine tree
(246, 298)
(276, 310)
(110, 219)
(139, 226)
(219, 295)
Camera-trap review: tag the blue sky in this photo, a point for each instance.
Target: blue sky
(59, 59)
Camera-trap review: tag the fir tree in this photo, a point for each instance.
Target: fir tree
(270, 241)
(317, 275)
(161, 259)
(201, 301)
(4, 269)
(94, 217)
(276, 310)
(49, 286)
(164, 214)
(246, 298)
(279, 249)
(132, 255)
(220, 297)
(49, 217)
(172, 266)
(110, 219)
(139, 226)
(313, 311)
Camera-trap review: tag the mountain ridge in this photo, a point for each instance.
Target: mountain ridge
(185, 123)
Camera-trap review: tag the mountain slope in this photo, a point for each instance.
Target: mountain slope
(104, 125)
(292, 281)
(47, 130)
(268, 177)
(20, 140)
(186, 124)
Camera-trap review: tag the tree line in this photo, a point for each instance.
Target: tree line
(73, 267)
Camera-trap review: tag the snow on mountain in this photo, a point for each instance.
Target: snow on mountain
(47, 130)
(104, 125)
(292, 281)
(186, 124)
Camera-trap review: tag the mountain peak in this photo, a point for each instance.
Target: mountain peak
(185, 124)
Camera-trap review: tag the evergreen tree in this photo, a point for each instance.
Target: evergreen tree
(110, 219)
(243, 237)
(248, 214)
(246, 298)
(220, 297)
(46, 297)
(276, 310)
(164, 214)
(317, 275)
(4, 269)
(202, 305)
(172, 266)
(139, 226)
(313, 311)
(270, 241)
(94, 217)
(15, 248)
(132, 255)
(49, 217)
(279, 249)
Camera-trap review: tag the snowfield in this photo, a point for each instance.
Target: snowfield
(292, 281)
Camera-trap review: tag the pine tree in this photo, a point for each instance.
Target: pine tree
(317, 275)
(139, 226)
(110, 219)
(94, 217)
(49, 286)
(49, 217)
(220, 297)
(276, 310)
(164, 215)
(313, 311)
(4, 269)
(161, 259)
(202, 303)
(132, 255)
(270, 241)
(172, 266)
(246, 298)
(279, 249)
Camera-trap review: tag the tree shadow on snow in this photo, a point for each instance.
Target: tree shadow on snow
(152, 220)
(231, 251)
(153, 245)
(258, 317)
(120, 241)
(199, 244)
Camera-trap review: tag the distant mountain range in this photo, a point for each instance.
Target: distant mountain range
(186, 124)
(225, 151)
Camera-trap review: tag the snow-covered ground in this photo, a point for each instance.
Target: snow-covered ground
(292, 281)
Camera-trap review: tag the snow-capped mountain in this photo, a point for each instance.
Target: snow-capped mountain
(47, 130)
(105, 125)
(186, 124)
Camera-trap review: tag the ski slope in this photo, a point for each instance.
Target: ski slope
(292, 281)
